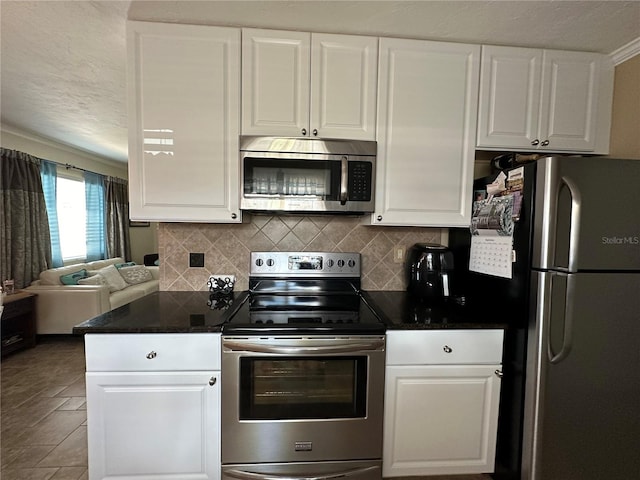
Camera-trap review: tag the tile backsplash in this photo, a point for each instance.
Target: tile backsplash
(226, 247)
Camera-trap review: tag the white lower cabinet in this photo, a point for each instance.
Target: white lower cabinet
(442, 396)
(153, 423)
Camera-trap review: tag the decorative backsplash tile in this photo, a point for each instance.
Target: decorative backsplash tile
(227, 247)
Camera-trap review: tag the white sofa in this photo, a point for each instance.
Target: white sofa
(60, 307)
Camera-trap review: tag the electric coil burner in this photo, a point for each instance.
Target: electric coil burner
(303, 372)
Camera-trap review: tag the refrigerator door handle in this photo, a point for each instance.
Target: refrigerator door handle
(574, 235)
(567, 336)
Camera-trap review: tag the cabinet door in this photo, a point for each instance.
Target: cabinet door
(440, 420)
(275, 82)
(344, 74)
(153, 425)
(569, 106)
(184, 105)
(427, 112)
(509, 100)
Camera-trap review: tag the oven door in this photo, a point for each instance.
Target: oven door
(302, 399)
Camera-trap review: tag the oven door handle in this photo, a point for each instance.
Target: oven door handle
(261, 348)
(242, 475)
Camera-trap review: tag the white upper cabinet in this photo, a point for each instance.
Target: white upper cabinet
(547, 100)
(275, 82)
(302, 84)
(427, 111)
(184, 108)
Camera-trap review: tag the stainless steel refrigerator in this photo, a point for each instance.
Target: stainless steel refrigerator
(570, 404)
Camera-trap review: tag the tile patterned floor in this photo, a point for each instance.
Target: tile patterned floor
(43, 412)
(44, 418)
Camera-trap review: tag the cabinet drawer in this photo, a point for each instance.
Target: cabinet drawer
(444, 347)
(152, 352)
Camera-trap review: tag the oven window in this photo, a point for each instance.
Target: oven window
(302, 387)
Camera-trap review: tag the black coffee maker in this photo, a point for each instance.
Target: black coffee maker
(430, 272)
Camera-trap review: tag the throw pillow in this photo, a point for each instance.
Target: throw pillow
(96, 279)
(73, 278)
(125, 264)
(112, 277)
(136, 274)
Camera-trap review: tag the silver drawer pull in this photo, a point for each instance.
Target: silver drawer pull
(151, 355)
(212, 381)
(447, 349)
(499, 373)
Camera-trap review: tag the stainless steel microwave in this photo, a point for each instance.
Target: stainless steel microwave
(282, 174)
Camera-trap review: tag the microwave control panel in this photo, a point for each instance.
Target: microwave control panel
(360, 176)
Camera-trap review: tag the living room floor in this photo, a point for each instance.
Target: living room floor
(44, 416)
(43, 409)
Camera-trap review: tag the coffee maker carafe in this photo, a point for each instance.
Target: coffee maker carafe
(430, 271)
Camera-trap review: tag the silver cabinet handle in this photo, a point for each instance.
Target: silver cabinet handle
(304, 131)
(234, 216)
(315, 132)
(545, 143)
(499, 373)
(212, 381)
(151, 355)
(535, 142)
(447, 349)
(379, 218)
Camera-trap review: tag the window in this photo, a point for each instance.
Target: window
(72, 216)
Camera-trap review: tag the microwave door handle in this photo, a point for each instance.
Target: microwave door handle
(344, 178)
(242, 475)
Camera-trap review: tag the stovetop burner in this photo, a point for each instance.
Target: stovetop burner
(304, 293)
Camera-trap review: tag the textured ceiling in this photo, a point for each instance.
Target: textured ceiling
(63, 62)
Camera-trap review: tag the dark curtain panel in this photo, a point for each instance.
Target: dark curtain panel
(25, 244)
(117, 213)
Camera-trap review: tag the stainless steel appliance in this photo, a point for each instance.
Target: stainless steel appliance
(430, 272)
(303, 372)
(569, 407)
(307, 175)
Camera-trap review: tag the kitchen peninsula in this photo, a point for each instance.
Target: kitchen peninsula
(159, 357)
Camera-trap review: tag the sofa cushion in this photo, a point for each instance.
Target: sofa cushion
(73, 277)
(122, 297)
(112, 277)
(135, 274)
(147, 287)
(96, 279)
(52, 276)
(98, 264)
(125, 264)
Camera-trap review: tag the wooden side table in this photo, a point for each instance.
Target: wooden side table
(18, 323)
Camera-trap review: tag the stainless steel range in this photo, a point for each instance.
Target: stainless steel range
(303, 372)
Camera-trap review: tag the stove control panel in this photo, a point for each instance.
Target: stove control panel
(305, 264)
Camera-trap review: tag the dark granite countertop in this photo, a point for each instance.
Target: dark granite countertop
(197, 312)
(401, 311)
(166, 312)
